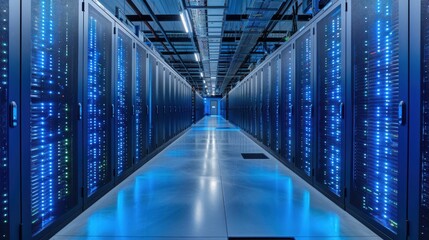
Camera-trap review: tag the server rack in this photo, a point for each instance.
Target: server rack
(161, 91)
(330, 75)
(254, 106)
(305, 96)
(97, 107)
(123, 105)
(9, 119)
(260, 90)
(140, 102)
(50, 86)
(275, 104)
(379, 95)
(265, 100)
(152, 79)
(175, 105)
(170, 107)
(287, 105)
(424, 175)
(418, 184)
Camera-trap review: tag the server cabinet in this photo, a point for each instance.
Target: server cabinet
(152, 80)
(9, 121)
(97, 103)
(260, 104)
(255, 105)
(275, 104)
(161, 91)
(174, 98)
(287, 105)
(379, 74)
(304, 93)
(330, 163)
(418, 179)
(50, 153)
(266, 86)
(424, 175)
(168, 106)
(123, 116)
(141, 108)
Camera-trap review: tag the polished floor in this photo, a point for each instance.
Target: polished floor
(200, 187)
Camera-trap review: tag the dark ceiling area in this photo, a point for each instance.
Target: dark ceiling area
(213, 43)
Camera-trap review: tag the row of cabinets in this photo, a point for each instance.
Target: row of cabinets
(84, 103)
(344, 104)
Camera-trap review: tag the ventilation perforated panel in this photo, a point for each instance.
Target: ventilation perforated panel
(375, 36)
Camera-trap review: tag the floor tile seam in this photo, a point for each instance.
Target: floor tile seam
(223, 196)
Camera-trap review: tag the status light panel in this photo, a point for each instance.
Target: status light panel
(266, 78)
(123, 100)
(140, 86)
(98, 87)
(424, 201)
(376, 99)
(52, 118)
(4, 129)
(287, 99)
(277, 66)
(330, 92)
(305, 100)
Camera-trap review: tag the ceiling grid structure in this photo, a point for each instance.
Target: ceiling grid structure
(229, 37)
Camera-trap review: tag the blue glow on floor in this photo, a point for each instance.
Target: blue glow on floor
(206, 190)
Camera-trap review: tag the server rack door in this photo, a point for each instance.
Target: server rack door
(140, 127)
(152, 103)
(248, 103)
(9, 121)
(175, 105)
(255, 105)
(305, 125)
(122, 127)
(380, 93)
(168, 115)
(275, 102)
(423, 213)
(266, 85)
(161, 91)
(97, 103)
(51, 176)
(288, 102)
(330, 164)
(260, 106)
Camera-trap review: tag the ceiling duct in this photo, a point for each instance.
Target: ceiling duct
(260, 13)
(208, 22)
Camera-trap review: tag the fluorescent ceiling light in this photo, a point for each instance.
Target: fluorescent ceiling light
(184, 21)
(204, 81)
(202, 75)
(197, 57)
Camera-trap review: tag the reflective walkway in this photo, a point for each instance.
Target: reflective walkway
(200, 187)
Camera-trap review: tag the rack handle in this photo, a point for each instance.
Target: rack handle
(80, 113)
(113, 110)
(342, 110)
(13, 114)
(402, 113)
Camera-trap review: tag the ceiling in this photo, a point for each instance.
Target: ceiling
(229, 36)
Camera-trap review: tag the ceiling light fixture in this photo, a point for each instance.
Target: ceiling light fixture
(201, 74)
(184, 21)
(197, 57)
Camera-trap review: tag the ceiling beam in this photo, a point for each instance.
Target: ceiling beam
(228, 17)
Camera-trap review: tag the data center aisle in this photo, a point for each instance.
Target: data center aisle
(200, 187)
